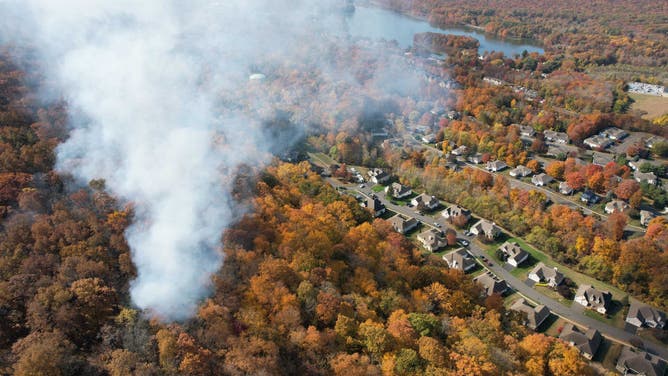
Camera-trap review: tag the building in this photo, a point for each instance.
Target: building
(594, 299)
(496, 166)
(375, 205)
(565, 189)
(642, 315)
(432, 240)
(646, 217)
(558, 137)
(597, 142)
(520, 171)
(638, 362)
(614, 133)
(462, 150)
(476, 158)
(378, 176)
(460, 260)
(643, 88)
(534, 316)
(557, 151)
(541, 273)
(586, 342)
(403, 225)
(589, 197)
(541, 179)
(618, 206)
(647, 177)
(425, 201)
(485, 228)
(491, 284)
(429, 138)
(527, 131)
(399, 191)
(453, 211)
(515, 255)
(653, 140)
(602, 159)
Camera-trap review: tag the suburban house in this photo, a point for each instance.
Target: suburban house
(541, 179)
(514, 253)
(646, 217)
(476, 158)
(527, 131)
(534, 316)
(642, 315)
(491, 284)
(614, 133)
(453, 211)
(520, 171)
(432, 240)
(647, 177)
(460, 259)
(496, 166)
(602, 159)
(462, 150)
(485, 228)
(635, 165)
(616, 206)
(589, 197)
(397, 190)
(638, 362)
(653, 140)
(541, 273)
(403, 225)
(424, 201)
(557, 151)
(375, 205)
(597, 142)
(586, 342)
(594, 299)
(565, 189)
(558, 137)
(378, 176)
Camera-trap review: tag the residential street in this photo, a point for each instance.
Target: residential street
(568, 313)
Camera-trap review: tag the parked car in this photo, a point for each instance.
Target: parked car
(362, 185)
(467, 233)
(464, 242)
(437, 224)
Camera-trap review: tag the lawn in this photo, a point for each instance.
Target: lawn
(553, 294)
(608, 353)
(524, 268)
(652, 105)
(378, 188)
(615, 318)
(552, 325)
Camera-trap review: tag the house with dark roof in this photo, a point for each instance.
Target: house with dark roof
(527, 131)
(541, 273)
(520, 171)
(496, 166)
(587, 342)
(425, 202)
(462, 150)
(375, 205)
(378, 176)
(589, 197)
(602, 159)
(593, 298)
(642, 315)
(485, 228)
(514, 253)
(459, 259)
(476, 158)
(541, 179)
(534, 315)
(453, 211)
(638, 362)
(403, 225)
(614, 133)
(597, 142)
(432, 240)
(397, 190)
(491, 284)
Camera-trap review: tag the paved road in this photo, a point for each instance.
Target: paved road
(571, 314)
(514, 183)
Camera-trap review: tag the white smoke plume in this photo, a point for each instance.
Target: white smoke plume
(142, 80)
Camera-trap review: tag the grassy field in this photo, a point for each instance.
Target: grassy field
(652, 105)
(608, 353)
(615, 318)
(552, 325)
(378, 188)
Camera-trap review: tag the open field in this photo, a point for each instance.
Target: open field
(652, 105)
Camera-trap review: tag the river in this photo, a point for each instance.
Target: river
(377, 23)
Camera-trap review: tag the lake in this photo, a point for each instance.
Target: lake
(377, 23)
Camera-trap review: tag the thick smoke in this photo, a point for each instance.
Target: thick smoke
(143, 80)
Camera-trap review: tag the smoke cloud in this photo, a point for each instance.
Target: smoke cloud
(143, 81)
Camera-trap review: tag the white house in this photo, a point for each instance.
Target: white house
(594, 299)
